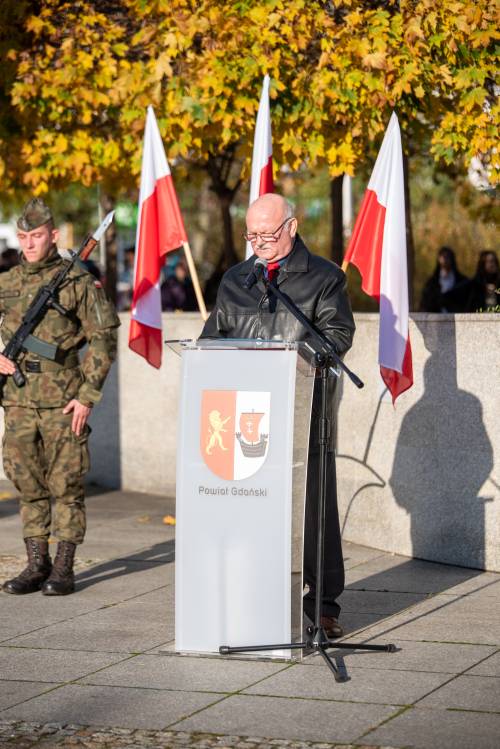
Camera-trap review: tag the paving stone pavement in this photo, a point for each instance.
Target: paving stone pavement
(15, 734)
(98, 669)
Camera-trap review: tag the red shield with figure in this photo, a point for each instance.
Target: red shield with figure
(234, 431)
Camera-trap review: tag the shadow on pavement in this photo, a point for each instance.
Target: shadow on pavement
(162, 553)
(380, 596)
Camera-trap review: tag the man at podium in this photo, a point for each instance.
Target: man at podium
(318, 287)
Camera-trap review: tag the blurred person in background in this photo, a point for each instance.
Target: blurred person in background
(447, 290)
(8, 259)
(485, 286)
(177, 292)
(125, 286)
(93, 268)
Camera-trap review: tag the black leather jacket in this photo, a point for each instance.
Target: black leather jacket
(316, 285)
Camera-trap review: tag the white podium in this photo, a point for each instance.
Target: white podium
(242, 450)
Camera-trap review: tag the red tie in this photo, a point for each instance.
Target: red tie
(272, 271)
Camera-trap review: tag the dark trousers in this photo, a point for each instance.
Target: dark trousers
(333, 577)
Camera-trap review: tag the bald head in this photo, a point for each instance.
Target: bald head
(270, 205)
(271, 215)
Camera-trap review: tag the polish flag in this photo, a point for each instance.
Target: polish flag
(160, 229)
(378, 249)
(262, 160)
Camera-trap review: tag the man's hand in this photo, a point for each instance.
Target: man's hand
(80, 415)
(7, 367)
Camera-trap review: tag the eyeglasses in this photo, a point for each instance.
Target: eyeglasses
(272, 236)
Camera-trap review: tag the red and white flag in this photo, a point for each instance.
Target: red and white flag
(160, 229)
(378, 249)
(262, 159)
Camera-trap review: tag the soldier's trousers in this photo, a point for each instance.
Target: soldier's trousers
(44, 459)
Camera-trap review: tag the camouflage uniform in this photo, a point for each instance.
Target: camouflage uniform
(42, 456)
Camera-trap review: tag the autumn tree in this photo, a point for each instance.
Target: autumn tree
(86, 71)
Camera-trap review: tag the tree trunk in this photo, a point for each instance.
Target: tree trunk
(221, 170)
(108, 204)
(225, 202)
(410, 246)
(337, 245)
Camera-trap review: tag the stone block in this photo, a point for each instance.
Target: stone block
(467, 693)
(14, 692)
(185, 673)
(281, 718)
(133, 626)
(488, 667)
(364, 685)
(110, 706)
(421, 729)
(50, 665)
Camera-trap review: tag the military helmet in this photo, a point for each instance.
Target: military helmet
(35, 213)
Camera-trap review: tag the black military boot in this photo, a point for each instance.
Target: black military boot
(38, 570)
(62, 580)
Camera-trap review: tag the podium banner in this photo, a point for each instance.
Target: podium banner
(239, 518)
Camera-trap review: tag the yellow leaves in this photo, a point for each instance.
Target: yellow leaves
(35, 24)
(143, 36)
(462, 23)
(162, 67)
(80, 92)
(77, 160)
(482, 38)
(375, 60)
(341, 156)
(354, 19)
(413, 30)
(258, 14)
(85, 60)
(61, 143)
(473, 99)
(445, 74)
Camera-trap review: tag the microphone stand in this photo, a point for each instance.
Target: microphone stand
(317, 639)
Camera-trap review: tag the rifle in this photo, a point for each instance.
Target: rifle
(46, 298)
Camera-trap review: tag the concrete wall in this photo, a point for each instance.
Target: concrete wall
(134, 445)
(421, 479)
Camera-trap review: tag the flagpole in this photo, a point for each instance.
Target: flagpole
(196, 283)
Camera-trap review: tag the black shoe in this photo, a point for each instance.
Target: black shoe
(38, 570)
(61, 581)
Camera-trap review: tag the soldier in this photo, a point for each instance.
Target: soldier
(45, 447)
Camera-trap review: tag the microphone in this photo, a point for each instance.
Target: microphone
(256, 273)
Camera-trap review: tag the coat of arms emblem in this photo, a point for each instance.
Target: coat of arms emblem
(234, 435)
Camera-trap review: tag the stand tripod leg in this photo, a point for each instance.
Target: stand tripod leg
(227, 649)
(389, 648)
(338, 669)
